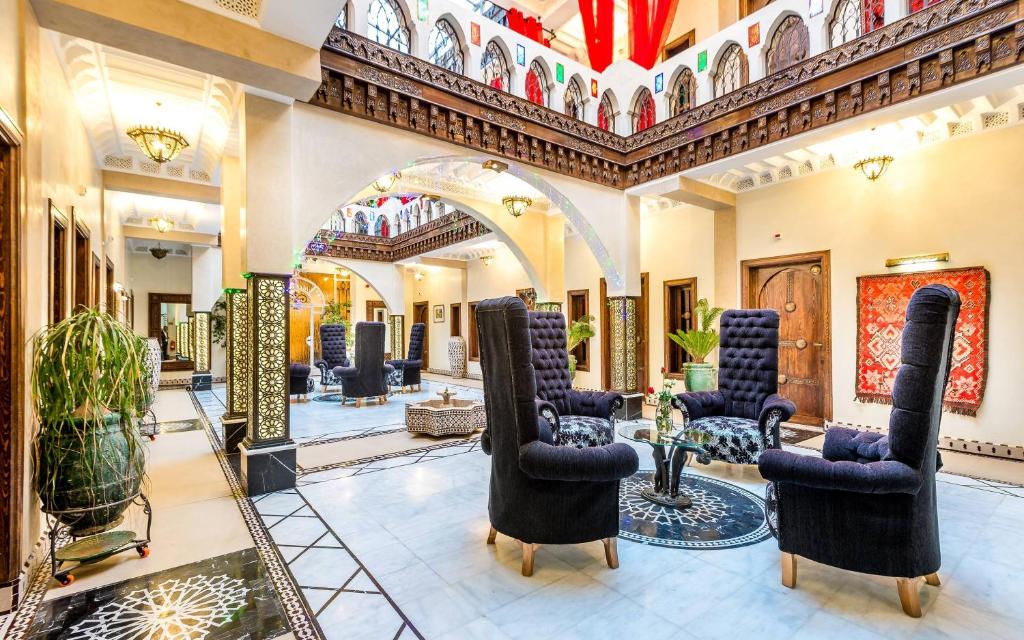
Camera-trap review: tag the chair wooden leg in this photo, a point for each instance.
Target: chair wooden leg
(359, 402)
(528, 552)
(788, 570)
(932, 580)
(611, 552)
(910, 596)
(491, 535)
(382, 399)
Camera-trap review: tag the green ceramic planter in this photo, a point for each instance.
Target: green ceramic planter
(97, 472)
(699, 377)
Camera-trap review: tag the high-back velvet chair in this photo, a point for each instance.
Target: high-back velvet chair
(411, 365)
(540, 493)
(368, 378)
(578, 418)
(742, 416)
(299, 382)
(868, 504)
(333, 353)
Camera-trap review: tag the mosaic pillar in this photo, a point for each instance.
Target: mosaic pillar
(190, 338)
(623, 332)
(202, 378)
(396, 336)
(549, 306)
(237, 361)
(267, 452)
(179, 339)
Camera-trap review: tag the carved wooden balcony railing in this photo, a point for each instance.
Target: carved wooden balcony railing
(945, 45)
(437, 234)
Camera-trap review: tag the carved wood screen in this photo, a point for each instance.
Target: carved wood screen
(789, 44)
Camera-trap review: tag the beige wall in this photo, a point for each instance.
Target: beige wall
(148, 275)
(963, 196)
(439, 286)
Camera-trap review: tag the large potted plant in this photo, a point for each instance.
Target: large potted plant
(89, 389)
(579, 331)
(699, 343)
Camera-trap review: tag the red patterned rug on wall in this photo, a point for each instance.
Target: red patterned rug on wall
(881, 308)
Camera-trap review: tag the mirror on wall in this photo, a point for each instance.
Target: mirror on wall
(166, 312)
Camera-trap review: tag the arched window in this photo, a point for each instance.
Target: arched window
(444, 47)
(788, 45)
(387, 25)
(360, 224)
(382, 228)
(495, 67)
(537, 90)
(574, 100)
(684, 92)
(731, 72)
(874, 15)
(846, 23)
(917, 5)
(606, 113)
(643, 111)
(342, 20)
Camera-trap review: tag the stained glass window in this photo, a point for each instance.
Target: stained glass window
(342, 20)
(874, 15)
(360, 224)
(731, 73)
(387, 25)
(495, 67)
(788, 45)
(917, 5)
(382, 228)
(643, 111)
(684, 92)
(574, 100)
(444, 47)
(537, 90)
(606, 113)
(846, 22)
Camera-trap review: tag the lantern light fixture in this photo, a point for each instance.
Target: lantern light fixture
(873, 167)
(158, 143)
(161, 223)
(516, 205)
(386, 181)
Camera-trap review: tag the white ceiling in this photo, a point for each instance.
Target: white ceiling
(115, 90)
(134, 209)
(309, 26)
(469, 179)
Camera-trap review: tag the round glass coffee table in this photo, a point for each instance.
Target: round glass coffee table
(668, 465)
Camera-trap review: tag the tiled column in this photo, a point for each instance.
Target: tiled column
(396, 336)
(268, 452)
(179, 339)
(188, 338)
(237, 361)
(549, 306)
(202, 379)
(622, 352)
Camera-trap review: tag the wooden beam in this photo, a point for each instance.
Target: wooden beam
(441, 262)
(701, 194)
(163, 187)
(186, 237)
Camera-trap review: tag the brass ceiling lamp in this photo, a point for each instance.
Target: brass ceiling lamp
(163, 224)
(386, 181)
(873, 167)
(158, 252)
(159, 144)
(516, 205)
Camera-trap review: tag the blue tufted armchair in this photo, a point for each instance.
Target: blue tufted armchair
(368, 379)
(868, 503)
(578, 418)
(413, 362)
(742, 416)
(333, 354)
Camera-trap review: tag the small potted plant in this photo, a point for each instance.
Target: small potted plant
(699, 343)
(663, 404)
(579, 331)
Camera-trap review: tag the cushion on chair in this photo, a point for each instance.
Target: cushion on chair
(735, 440)
(583, 431)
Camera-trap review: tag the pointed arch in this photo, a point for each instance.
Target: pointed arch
(494, 66)
(388, 25)
(444, 46)
(538, 83)
(607, 111)
(644, 112)
(789, 43)
(574, 100)
(731, 71)
(683, 95)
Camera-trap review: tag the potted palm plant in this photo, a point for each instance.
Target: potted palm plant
(579, 331)
(89, 389)
(699, 343)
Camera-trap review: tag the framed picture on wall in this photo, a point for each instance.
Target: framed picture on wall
(438, 313)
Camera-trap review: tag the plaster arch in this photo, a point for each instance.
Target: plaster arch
(386, 279)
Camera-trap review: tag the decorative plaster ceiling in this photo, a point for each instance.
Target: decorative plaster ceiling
(134, 209)
(115, 90)
(474, 249)
(471, 180)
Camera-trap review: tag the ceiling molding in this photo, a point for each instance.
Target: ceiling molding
(163, 187)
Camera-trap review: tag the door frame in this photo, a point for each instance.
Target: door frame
(425, 306)
(643, 326)
(747, 268)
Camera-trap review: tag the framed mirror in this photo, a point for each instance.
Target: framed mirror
(166, 312)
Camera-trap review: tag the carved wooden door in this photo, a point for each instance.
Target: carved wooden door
(798, 292)
(421, 313)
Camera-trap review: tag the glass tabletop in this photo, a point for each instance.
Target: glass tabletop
(678, 437)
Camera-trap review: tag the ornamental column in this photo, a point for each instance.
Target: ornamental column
(396, 336)
(267, 452)
(202, 378)
(622, 354)
(189, 333)
(237, 369)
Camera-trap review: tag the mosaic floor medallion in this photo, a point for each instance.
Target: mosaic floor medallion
(723, 516)
(177, 426)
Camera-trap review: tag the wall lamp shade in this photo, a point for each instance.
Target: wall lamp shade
(497, 166)
(159, 144)
(516, 205)
(487, 260)
(386, 181)
(922, 258)
(873, 167)
(161, 224)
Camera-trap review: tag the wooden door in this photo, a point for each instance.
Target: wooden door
(797, 287)
(421, 313)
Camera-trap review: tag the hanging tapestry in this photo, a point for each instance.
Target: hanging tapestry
(881, 309)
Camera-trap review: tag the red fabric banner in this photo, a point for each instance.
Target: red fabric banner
(649, 23)
(598, 29)
(881, 308)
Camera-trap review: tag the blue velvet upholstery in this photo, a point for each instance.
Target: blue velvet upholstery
(333, 351)
(368, 378)
(868, 504)
(299, 382)
(411, 365)
(743, 414)
(548, 341)
(539, 493)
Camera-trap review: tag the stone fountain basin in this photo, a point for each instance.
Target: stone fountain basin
(434, 417)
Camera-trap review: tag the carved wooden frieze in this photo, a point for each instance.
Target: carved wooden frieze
(437, 234)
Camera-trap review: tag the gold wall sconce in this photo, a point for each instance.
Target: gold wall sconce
(922, 258)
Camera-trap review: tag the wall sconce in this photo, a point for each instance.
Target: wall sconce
(163, 224)
(516, 205)
(385, 182)
(497, 166)
(418, 275)
(118, 287)
(487, 260)
(918, 259)
(873, 167)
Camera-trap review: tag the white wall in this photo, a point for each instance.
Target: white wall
(964, 197)
(439, 286)
(148, 275)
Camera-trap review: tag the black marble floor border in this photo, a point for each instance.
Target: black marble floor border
(358, 436)
(300, 616)
(418, 451)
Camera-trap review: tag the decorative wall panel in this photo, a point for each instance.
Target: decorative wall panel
(396, 336)
(237, 353)
(267, 296)
(623, 332)
(202, 341)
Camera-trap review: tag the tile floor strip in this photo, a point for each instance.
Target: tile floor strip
(418, 454)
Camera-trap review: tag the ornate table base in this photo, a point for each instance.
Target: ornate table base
(667, 472)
